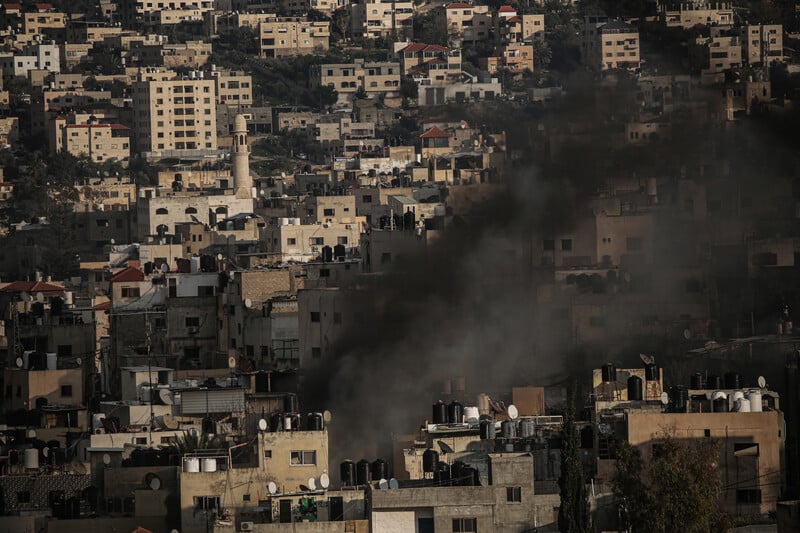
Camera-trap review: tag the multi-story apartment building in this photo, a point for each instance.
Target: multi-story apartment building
(292, 36)
(133, 12)
(43, 20)
(82, 31)
(762, 43)
(37, 56)
(714, 55)
(371, 19)
(233, 87)
(609, 45)
(308, 242)
(467, 22)
(373, 78)
(521, 28)
(514, 57)
(194, 54)
(174, 112)
(683, 14)
(98, 142)
(415, 57)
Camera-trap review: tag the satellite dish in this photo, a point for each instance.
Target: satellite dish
(79, 361)
(393, 484)
(513, 412)
(19, 362)
(106, 459)
(77, 467)
(324, 481)
(165, 395)
(231, 362)
(168, 422)
(262, 425)
(326, 416)
(762, 383)
(39, 297)
(444, 447)
(687, 334)
(46, 452)
(272, 487)
(164, 268)
(31, 433)
(25, 297)
(155, 483)
(248, 303)
(383, 484)
(664, 398)
(113, 241)
(231, 275)
(219, 257)
(312, 483)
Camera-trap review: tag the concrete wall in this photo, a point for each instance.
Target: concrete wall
(33, 384)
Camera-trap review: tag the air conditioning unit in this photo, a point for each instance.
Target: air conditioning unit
(246, 526)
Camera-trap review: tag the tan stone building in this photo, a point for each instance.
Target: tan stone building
(514, 57)
(374, 78)
(467, 22)
(712, 56)
(684, 14)
(308, 242)
(609, 45)
(233, 88)
(522, 28)
(98, 142)
(174, 113)
(44, 20)
(762, 43)
(371, 19)
(292, 36)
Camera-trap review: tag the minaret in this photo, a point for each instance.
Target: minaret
(240, 154)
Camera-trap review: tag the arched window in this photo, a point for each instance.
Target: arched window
(190, 211)
(162, 211)
(241, 140)
(221, 210)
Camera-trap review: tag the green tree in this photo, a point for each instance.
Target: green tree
(678, 490)
(573, 514)
(192, 441)
(431, 27)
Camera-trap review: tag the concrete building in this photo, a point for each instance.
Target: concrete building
(712, 56)
(371, 19)
(609, 44)
(515, 58)
(762, 43)
(374, 78)
(683, 14)
(99, 142)
(521, 28)
(174, 113)
(292, 36)
(467, 22)
(305, 242)
(233, 88)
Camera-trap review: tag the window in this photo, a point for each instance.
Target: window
(245, 497)
(291, 241)
(514, 494)
(267, 454)
(192, 321)
(549, 245)
(367, 198)
(329, 212)
(317, 241)
(465, 525)
(314, 316)
(566, 244)
(303, 458)
(341, 240)
(130, 292)
(316, 352)
(206, 503)
(140, 440)
(748, 496)
(162, 211)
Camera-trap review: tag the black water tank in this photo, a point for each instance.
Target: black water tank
(455, 412)
(73, 508)
(262, 382)
(208, 426)
(609, 373)
(276, 422)
(678, 397)
(733, 380)
(430, 460)
(456, 471)
(380, 469)
(440, 412)
(720, 405)
(339, 252)
(290, 403)
(327, 254)
(698, 381)
(487, 429)
(347, 472)
(651, 372)
(634, 389)
(314, 422)
(713, 382)
(362, 472)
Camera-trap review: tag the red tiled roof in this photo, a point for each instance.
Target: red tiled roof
(422, 47)
(436, 61)
(458, 5)
(506, 9)
(12, 6)
(128, 274)
(514, 20)
(434, 133)
(43, 6)
(32, 286)
(105, 306)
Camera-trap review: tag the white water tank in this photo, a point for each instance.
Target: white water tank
(755, 401)
(194, 265)
(471, 414)
(295, 221)
(209, 464)
(743, 405)
(147, 393)
(31, 458)
(97, 420)
(52, 361)
(191, 464)
(283, 221)
(68, 301)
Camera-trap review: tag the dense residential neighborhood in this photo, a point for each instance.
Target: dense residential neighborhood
(399, 266)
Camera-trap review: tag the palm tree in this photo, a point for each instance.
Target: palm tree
(192, 441)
